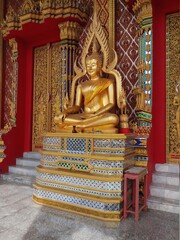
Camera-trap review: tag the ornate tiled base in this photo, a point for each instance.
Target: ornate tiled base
(103, 215)
(83, 173)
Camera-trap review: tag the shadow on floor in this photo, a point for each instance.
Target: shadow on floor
(52, 224)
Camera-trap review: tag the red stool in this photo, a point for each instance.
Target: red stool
(135, 174)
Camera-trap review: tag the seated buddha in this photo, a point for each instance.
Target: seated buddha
(96, 97)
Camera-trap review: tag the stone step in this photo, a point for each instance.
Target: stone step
(163, 204)
(166, 167)
(165, 191)
(32, 155)
(29, 162)
(18, 179)
(29, 171)
(166, 178)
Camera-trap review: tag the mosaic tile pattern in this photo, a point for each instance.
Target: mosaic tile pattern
(107, 172)
(77, 201)
(51, 140)
(109, 143)
(78, 167)
(113, 152)
(76, 145)
(74, 159)
(89, 183)
(79, 190)
(76, 154)
(106, 164)
(50, 158)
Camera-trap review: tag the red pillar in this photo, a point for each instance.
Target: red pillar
(157, 140)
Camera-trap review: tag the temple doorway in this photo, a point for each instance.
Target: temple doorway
(46, 81)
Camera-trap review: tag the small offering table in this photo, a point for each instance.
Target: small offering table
(135, 174)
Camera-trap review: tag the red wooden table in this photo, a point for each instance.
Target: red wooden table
(135, 174)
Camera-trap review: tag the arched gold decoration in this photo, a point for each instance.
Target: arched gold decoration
(96, 31)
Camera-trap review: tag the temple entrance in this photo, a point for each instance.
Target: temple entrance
(46, 81)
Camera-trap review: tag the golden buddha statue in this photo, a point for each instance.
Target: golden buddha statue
(97, 96)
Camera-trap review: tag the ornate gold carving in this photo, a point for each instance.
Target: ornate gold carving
(56, 81)
(141, 151)
(50, 74)
(143, 12)
(37, 11)
(140, 98)
(30, 10)
(141, 66)
(70, 30)
(13, 45)
(111, 29)
(41, 95)
(172, 88)
(69, 34)
(12, 101)
(176, 103)
(123, 107)
(46, 90)
(106, 15)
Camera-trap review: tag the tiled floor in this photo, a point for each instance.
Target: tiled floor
(22, 219)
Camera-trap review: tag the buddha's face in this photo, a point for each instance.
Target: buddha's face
(92, 66)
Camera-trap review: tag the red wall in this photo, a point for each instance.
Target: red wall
(19, 139)
(32, 35)
(157, 140)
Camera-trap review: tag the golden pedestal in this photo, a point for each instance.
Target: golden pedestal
(83, 173)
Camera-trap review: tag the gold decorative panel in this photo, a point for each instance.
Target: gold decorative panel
(55, 80)
(46, 90)
(172, 83)
(41, 108)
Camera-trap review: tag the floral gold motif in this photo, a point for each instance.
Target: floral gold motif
(172, 88)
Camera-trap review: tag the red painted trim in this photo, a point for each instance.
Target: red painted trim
(19, 139)
(157, 139)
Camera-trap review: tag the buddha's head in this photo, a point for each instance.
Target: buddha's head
(94, 61)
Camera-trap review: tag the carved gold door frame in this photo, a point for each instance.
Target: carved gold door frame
(46, 83)
(172, 93)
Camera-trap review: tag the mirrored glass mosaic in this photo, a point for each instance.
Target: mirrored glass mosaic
(90, 183)
(77, 201)
(80, 190)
